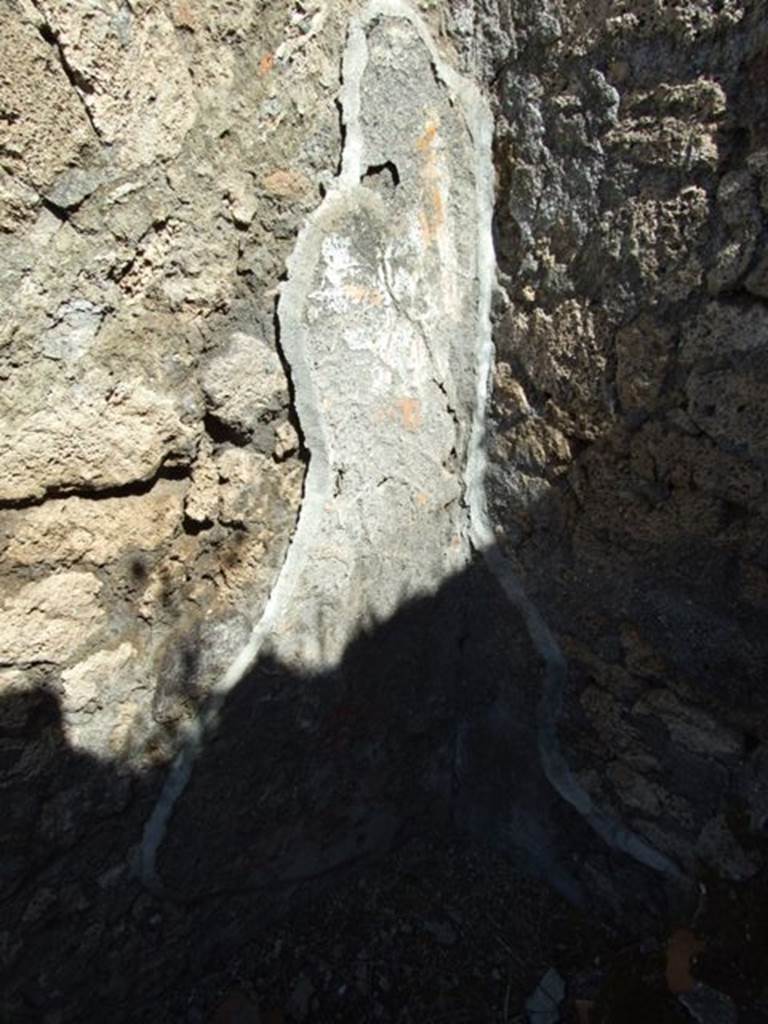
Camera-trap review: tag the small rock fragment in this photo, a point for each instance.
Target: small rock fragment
(286, 441)
(202, 502)
(543, 1007)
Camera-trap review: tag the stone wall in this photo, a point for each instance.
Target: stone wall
(157, 161)
(629, 432)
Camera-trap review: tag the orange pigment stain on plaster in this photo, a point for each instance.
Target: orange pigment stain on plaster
(427, 139)
(363, 295)
(266, 64)
(410, 411)
(432, 217)
(404, 411)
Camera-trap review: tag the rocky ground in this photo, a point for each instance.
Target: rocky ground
(440, 932)
(447, 933)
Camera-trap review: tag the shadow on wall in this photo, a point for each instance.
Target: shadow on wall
(647, 562)
(426, 725)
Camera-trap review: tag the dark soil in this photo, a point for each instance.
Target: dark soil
(445, 933)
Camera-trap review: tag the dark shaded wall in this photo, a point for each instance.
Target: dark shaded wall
(630, 433)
